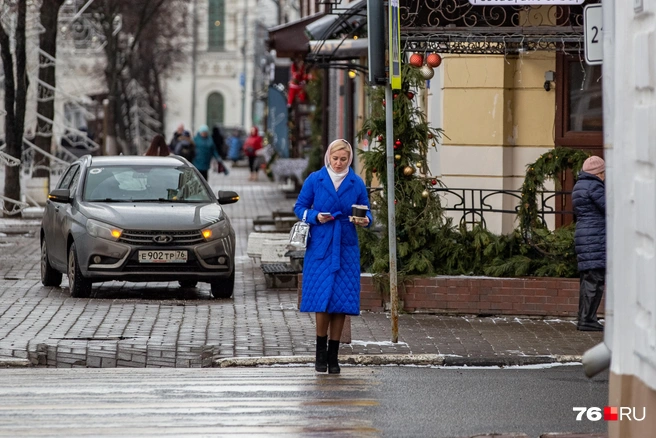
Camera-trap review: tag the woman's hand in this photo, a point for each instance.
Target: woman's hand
(324, 217)
(362, 221)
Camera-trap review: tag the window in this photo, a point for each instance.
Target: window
(216, 26)
(214, 110)
(65, 182)
(579, 115)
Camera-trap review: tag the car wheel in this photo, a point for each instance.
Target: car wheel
(49, 276)
(188, 283)
(224, 287)
(80, 286)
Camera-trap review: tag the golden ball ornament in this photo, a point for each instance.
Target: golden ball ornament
(425, 193)
(427, 72)
(419, 164)
(408, 170)
(397, 156)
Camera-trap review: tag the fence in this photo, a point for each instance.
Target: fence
(475, 206)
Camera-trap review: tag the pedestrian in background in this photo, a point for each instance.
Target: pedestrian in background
(331, 267)
(253, 144)
(180, 131)
(235, 147)
(205, 150)
(589, 201)
(219, 141)
(158, 147)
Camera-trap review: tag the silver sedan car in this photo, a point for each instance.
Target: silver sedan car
(135, 218)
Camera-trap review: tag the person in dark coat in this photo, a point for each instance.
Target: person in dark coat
(205, 151)
(331, 267)
(589, 201)
(219, 141)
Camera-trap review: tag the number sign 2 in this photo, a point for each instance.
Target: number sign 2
(593, 20)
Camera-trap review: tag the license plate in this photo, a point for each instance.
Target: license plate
(162, 256)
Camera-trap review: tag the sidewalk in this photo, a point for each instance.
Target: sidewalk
(157, 324)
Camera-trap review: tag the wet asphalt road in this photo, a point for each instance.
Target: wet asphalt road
(295, 401)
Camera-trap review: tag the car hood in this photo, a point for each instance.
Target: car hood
(153, 216)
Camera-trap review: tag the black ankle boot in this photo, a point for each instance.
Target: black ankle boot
(321, 360)
(333, 350)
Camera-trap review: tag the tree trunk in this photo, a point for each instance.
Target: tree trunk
(46, 107)
(15, 98)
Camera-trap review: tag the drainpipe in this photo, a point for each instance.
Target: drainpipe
(597, 359)
(194, 47)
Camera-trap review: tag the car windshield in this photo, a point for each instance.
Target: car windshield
(144, 184)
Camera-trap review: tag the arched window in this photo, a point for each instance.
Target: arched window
(216, 29)
(214, 109)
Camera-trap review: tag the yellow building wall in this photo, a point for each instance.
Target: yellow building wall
(498, 118)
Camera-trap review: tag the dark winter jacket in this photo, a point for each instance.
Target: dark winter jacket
(589, 201)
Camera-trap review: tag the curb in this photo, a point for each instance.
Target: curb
(402, 360)
(14, 363)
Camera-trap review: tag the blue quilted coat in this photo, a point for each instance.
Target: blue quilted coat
(589, 201)
(331, 268)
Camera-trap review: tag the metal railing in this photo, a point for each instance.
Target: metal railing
(474, 204)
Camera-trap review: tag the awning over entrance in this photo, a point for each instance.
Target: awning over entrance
(340, 35)
(339, 49)
(289, 40)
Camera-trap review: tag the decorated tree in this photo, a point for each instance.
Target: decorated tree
(418, 212)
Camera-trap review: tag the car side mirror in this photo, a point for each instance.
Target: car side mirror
(60, 195)
(228, 197)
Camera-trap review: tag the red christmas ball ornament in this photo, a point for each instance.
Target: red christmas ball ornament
(374, 170)
(434, 181)
(369, 133)
(430, 135)
(397, 142)
(395, 202)
(410, 95)
(395, 95)
(434, 60)
(416, 60)
(380, 138)
(383, 102)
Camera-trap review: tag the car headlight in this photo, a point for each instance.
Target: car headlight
(104, 231)
(217, 230)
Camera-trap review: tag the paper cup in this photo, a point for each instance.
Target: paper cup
(359, 210)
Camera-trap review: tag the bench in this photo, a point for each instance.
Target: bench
(280, 275)
(279, 221)
(256, 242)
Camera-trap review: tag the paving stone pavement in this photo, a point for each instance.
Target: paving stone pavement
(161, 325)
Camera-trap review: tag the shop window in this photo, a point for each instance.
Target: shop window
(216, 26)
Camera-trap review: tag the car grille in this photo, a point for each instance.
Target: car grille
(180, 238)
(191, 266)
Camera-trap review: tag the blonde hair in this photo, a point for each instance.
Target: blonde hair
(338, 145)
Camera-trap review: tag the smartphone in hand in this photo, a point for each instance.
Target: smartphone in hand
(327, 215)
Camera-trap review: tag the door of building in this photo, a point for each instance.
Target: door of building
(579, 119)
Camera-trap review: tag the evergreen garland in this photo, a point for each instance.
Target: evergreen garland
(548, 166)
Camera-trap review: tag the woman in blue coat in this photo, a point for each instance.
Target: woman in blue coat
(205, 151)
(331, 268)
(589, 202)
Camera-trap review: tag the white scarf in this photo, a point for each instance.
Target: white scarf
(337, 178)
